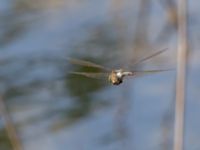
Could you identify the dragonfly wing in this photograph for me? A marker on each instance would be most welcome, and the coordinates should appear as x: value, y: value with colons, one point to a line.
x: 92, y: 75
x: 86, y: 63
x: 148, y: 57
x: 145, y: 72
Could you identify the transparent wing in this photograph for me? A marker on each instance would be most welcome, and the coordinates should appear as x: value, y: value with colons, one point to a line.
x: 146, y: 72
x: 148, y: 57
x: 86, y: 63
x: 92, y: 75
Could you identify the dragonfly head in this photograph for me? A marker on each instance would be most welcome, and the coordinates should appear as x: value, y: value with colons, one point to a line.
x: 116, y: 77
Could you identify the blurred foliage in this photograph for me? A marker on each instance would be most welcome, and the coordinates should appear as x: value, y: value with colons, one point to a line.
x: 14, y: 92
x: 4, y: 140
x: 12, y: 28
x: 25, y: 6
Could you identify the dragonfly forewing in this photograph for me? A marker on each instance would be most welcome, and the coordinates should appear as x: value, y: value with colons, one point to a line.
x: 87, y: 64
x: 146, y: 72
x: 91, y: 75
x: 146, y: 58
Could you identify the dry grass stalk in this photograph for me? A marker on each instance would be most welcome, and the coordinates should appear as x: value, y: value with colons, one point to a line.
x: 181, y: 75
x: 10, y: 129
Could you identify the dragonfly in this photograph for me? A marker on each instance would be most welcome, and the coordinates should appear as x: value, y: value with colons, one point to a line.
x: 114, y: 76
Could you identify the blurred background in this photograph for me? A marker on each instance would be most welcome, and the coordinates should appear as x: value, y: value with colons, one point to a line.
x: 43, y: 107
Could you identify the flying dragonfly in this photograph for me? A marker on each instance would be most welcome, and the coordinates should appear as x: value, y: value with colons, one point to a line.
x: 114, y: 76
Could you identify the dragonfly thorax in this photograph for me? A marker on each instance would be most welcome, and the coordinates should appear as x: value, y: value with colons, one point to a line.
x: 116, y: 77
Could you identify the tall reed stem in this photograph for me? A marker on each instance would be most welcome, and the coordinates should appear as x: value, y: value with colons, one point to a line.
x: 181, y: 75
